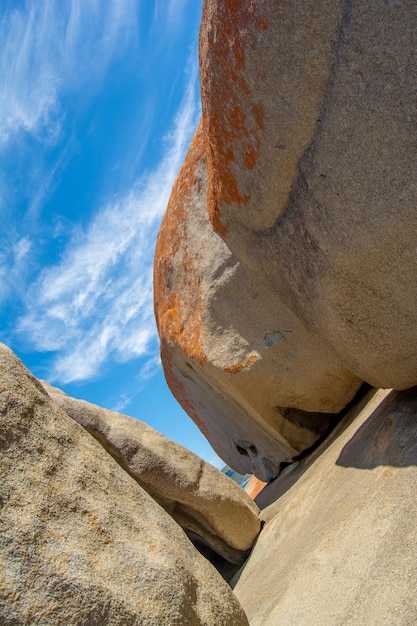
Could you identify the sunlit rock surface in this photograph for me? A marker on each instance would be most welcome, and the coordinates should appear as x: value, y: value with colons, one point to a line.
x: 242, y: 365
x: 310, y: 117
x: 210, y: 507
x: 340, y: 541
x: 80, y: 541
x: 286, y: 264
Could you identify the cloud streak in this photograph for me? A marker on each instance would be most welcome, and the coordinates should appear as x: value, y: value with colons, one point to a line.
x: 96, y: 304
x: 51, y: 48
x: 14, y: 254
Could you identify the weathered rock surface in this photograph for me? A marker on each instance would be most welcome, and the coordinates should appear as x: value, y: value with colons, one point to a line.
x: 304, y: 164
x: 265, y: 70
x: 310, y: 119
x: 339, y: 545
x: 81, y: 542
x: 235, y: 356
x: 209, y: 506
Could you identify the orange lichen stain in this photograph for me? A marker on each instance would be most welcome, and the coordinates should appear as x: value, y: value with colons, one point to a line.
x: 251, y: 157
x: 177, y: 388
x: 234, y: 369
x: 258, y: 111
x: 261, y: 25
x: 179, y: 306
x: 238, y: 119
x: 177, y: 297
x: 231, y: 122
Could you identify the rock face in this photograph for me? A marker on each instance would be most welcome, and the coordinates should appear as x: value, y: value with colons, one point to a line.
x: 265, y: 71
x: 233, y: 353
x: 339, y: 545
x: 285, y: 266
x: 309, y: 112
x: 210, y: 507
x: 81, y: 542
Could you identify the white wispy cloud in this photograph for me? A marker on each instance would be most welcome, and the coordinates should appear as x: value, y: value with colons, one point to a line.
x: 149, y: 369
x: 97, y: 303
x: 50, y: 49
x: 14, y: 255
x: 174, y: 10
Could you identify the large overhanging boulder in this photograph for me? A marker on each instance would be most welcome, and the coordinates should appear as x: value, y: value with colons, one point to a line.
x: 285, y: 266
x: 310, y: 116
x: 238, y: 360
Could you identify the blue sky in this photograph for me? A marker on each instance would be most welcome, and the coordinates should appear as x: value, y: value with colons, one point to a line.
x: 99, y: 100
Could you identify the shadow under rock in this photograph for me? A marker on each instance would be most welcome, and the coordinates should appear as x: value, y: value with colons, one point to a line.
x: 388, y: 437
x: 289, y: 476
x: 225, y: 568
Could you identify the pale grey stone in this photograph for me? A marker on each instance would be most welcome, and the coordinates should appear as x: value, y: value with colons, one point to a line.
x: 304, y: 164
x: 325, y: 211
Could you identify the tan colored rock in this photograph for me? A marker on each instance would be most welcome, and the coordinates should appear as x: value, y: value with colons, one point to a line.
x: 257, y: 383
x: 265, y: 69
x: 340, y: 543
x: 209, y: 506
x: 310, y: 119
x: 81, y: 542
x: 305, y: 284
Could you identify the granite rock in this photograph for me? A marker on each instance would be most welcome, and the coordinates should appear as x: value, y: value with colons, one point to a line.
x: 81, y: 542
x: 310, y: 118
x: 304, y: 165
x: 209, y: 506
x: 260, y: 386
x: 340, y: 542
